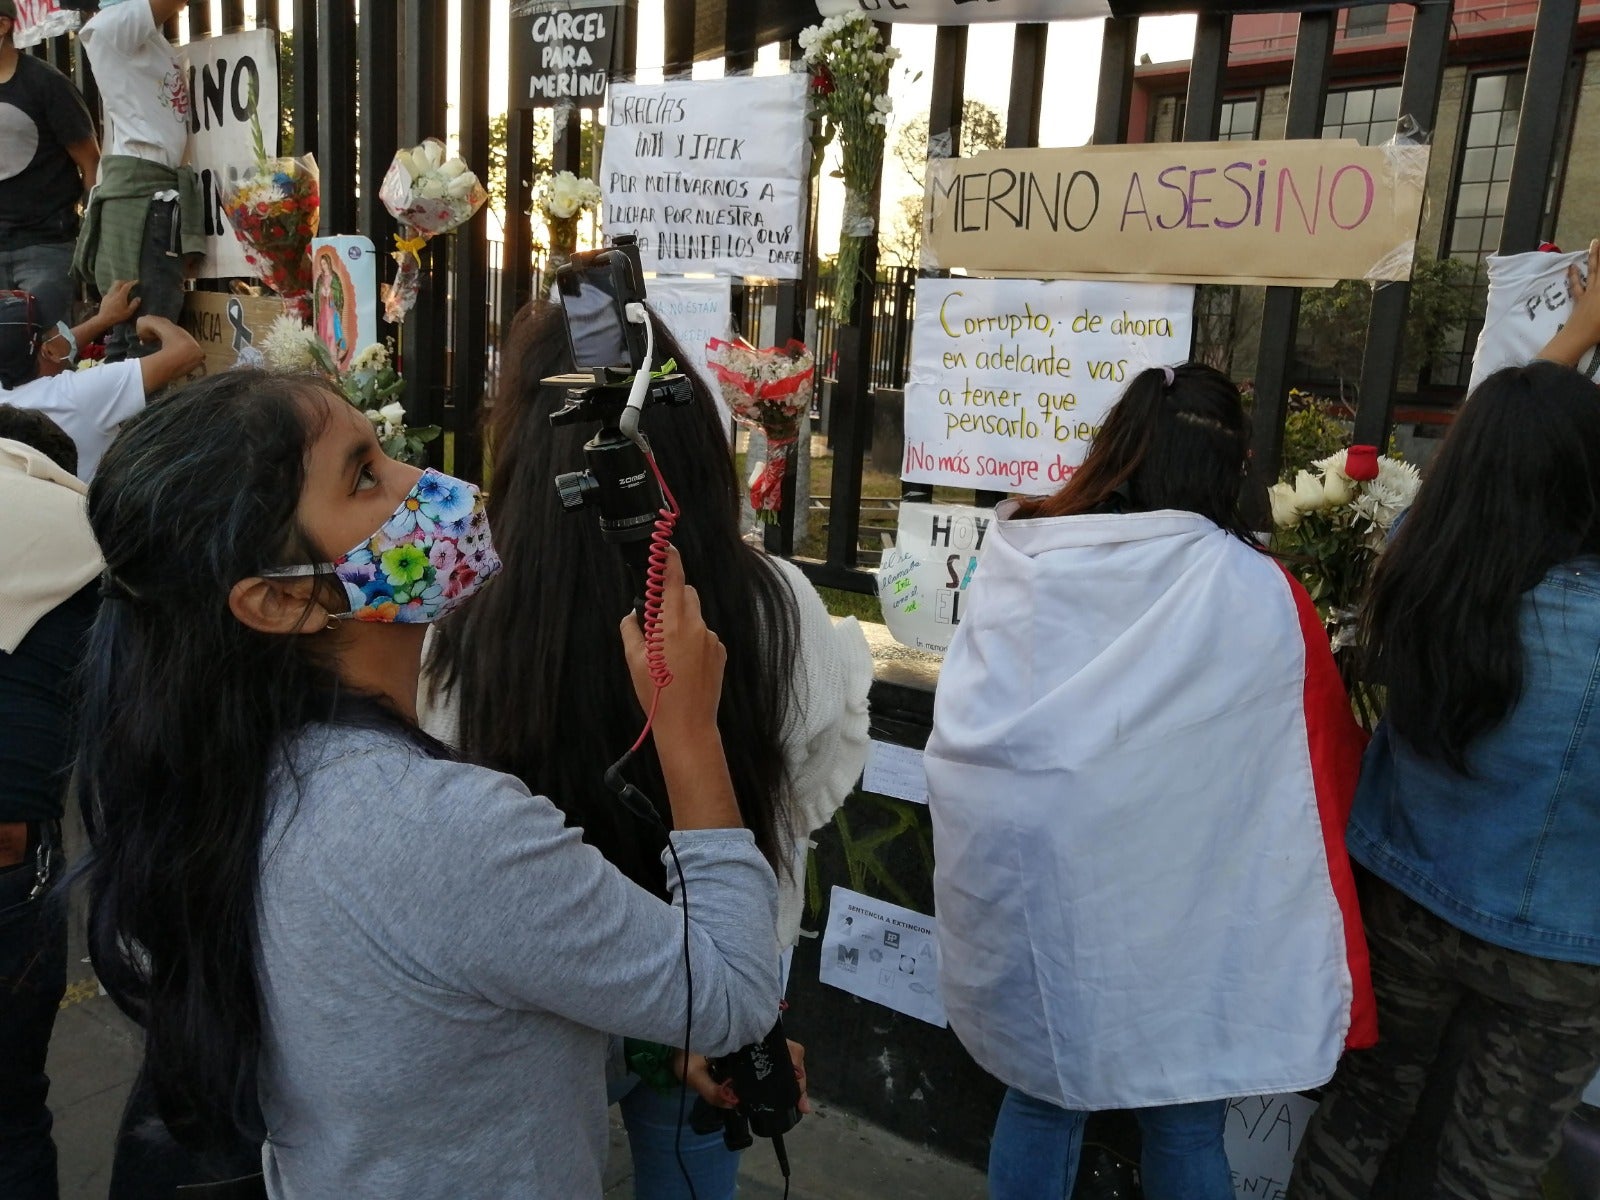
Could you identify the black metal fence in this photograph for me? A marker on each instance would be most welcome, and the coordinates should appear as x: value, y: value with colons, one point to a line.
x: 470, y: 289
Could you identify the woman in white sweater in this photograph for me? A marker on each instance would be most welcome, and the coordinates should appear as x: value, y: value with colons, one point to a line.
x: 521, y: 681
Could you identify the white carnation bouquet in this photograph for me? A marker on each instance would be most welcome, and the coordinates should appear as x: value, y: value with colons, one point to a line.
x: 1331, y: 527
x: 430, y: 192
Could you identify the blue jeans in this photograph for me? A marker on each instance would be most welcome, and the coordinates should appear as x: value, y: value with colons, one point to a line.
x: 46, y: 271
x: 33, y: 977
x: 1034, y: 1155
x: 651, y: 1120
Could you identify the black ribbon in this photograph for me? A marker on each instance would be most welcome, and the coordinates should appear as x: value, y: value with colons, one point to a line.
x: 242, y: 336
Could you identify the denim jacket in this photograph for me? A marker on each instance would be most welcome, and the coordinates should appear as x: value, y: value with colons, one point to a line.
x: 1510, y: 855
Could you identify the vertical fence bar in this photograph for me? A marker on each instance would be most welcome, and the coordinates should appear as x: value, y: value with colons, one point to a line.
x: 266, y: 14
x: 678, y: 38
x: 1208, y: 76
x: 378, y: 41
x: 424, y: 30
x: 305, y: 77
x: 1115, y: 93
x: 1537, y: 127
x: 199, y: 21
x: 232, y: 16
x: 1419, y: 100
x: 850, y: 421
x: 789, y: 320
x: 470, y: 360
x: 1308, y: 99
x: 336, y: 119
x: 516, y: 263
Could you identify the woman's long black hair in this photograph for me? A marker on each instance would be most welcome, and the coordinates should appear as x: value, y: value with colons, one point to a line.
x: 1514, y: 491
x: 535, y: 662
x: 1179, y: 446
x: 183, y: 709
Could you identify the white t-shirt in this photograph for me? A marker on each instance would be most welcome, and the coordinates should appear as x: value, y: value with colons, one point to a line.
x: 144, y: 89
x: 88, y: 405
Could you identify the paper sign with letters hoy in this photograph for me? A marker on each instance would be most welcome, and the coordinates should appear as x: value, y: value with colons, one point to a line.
x: 560, y: 53
x: 224, y: 72
x: 923, y: 579
x: 1011, y: 378
x: 1300, y: 213
x: 711, y: 175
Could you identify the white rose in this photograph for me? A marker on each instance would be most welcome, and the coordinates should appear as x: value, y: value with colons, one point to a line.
x: 1308, y: 493
x: 462, y: 185
x: 432, y: 154
x: 1336, y: 488
x: 394, y: 413
x: 375, y: 416
x: 452, y: 168
x: 407, y: 163
x: 1285, y: 515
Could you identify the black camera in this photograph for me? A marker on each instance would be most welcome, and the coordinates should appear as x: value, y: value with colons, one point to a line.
x: 602, y: 296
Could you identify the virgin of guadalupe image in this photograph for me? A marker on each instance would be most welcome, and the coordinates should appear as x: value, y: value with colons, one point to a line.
x: 329, y: 302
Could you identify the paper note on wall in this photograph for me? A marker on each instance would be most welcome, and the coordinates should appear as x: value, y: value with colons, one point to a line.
x: 695, y: 310
x: 1261, y: 1137
x: 923, y: 578
x: 1011, y: 378
x: 883, y: 953
x: 711, y: 175
x: 896, y: 771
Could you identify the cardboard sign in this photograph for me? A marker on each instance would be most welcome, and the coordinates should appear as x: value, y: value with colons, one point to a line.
x: 1295, y: 213
x: 710, y: 174
x: 1011, y: 378
x: 344, y: 295
x: 222, y: 72
x: 39, y: 20
x: 561, y: 54
x: 229, y: 328
x: 1261, y: 1136
x: 883, y: 953
x: 923, y: 579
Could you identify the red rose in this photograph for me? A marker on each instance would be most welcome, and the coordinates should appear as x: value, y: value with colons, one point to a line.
x: 822, y: 81
x: 1361, y: 463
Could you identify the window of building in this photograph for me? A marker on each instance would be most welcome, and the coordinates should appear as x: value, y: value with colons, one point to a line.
x: 1239, y: 121
x: 1366, y: 20
x: 1366, y: 114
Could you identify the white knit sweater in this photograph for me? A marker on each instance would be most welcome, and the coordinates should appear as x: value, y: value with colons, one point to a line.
x: 824, y: 737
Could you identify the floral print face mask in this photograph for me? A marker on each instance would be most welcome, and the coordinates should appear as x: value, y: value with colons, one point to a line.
x: 425, y: 561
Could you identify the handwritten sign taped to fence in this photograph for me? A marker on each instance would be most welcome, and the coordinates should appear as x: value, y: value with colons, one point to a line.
x: 1261, y: 1135
x: 222, y: 73
x: 695, y: 310
x: 923, y: 578
x: 711, y: 174
x: 1296, y: 213
x: 1011, y: 378
x: 561, y: 55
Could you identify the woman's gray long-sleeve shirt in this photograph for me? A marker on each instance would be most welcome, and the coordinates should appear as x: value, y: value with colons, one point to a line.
x: 441, y: 960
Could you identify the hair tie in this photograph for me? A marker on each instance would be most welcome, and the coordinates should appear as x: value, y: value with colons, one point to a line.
x: 111, y: 588
x: 1171, y: 377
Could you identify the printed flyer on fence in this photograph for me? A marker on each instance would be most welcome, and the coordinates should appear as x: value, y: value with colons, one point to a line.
x: 1010, y: 378
x: 883, y: 953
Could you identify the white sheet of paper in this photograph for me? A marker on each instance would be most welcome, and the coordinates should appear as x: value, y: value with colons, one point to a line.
x: 895, y: 771
x: 1261, y: 1136
x: 883, y: 953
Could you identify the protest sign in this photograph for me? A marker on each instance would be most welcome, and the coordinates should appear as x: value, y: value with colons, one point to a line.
x: 224, y: 74
x: 1261, y: 1136
x: 344, y: 295
x: 229, y: 328
x: 883, y: 953
x: 965, y: 12
x: 923, y: 579
x: 38, y: 20
x: 695, y: 310
x: 1529, y: 301
x: 1010, y: 378
x: 1295, y: 213
x: 710, y: 174
x: 560, y: 55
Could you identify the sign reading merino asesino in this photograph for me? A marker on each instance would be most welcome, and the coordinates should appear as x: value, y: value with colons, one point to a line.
x: 1298, y: 213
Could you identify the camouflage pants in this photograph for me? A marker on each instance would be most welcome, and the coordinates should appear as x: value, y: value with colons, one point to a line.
x: 1534, y: 1044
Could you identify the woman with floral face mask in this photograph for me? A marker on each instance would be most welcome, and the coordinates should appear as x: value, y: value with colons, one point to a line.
x: 391, y: 966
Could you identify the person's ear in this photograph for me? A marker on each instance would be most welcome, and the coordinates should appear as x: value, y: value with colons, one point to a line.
x: 278, y: 606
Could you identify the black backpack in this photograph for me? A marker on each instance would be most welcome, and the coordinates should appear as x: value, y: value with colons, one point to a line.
x: 19, y: 338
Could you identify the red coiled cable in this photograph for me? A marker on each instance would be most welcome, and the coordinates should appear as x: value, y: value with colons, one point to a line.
x: 655, y: 586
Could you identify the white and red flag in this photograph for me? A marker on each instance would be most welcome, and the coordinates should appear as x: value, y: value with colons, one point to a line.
x: 1141, y: 767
